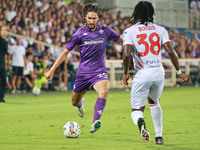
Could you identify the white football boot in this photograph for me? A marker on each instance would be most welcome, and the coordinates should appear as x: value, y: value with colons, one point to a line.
x: 81, y: 110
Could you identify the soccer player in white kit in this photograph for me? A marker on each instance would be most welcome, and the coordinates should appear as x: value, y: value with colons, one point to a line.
x: 143, y: 41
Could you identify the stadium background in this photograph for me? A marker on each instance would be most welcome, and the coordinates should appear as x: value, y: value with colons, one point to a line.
x: 45, y: 26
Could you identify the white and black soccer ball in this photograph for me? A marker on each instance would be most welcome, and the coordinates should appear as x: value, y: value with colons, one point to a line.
x: 36, y: 91
x: 71, y: 129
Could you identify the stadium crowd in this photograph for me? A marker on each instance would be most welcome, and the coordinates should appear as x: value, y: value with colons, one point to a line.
x: 54, y: 22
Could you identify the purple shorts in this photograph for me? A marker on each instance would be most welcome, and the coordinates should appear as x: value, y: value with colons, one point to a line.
x: 86, y: 81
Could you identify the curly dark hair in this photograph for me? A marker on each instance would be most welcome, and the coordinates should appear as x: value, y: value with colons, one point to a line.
x: 144, y: 11
x: 92, y: 8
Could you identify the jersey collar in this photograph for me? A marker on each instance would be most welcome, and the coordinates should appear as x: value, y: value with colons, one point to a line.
x: 88, y: 29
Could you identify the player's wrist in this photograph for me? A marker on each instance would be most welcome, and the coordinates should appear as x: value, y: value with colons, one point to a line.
x: 179, y: 71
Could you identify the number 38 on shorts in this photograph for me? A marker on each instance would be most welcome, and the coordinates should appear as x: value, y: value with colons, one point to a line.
x: 153, y: 39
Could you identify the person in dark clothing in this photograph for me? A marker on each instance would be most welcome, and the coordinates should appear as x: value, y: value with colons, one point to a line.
x: 3, y: 52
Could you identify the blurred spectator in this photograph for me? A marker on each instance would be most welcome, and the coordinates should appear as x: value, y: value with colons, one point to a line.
x: 17, y: 53
x: 37, y: 51
x: 10, y: 13
x: 55, y: 21
x: 194, y: 14
x: 28, y: 74
x: 195, y: 4
x: 112, y: 53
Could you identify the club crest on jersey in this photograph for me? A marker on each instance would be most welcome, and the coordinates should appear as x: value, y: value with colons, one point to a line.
x: 85, y: 34
x: 101, y: 31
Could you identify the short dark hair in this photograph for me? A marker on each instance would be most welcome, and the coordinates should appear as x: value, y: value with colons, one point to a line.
x: 144, y: 11
x: 92, y: 8
x: 29, y: 54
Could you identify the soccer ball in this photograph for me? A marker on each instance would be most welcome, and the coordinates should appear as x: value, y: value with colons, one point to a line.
x: 71, y: 129
x: 36, y: 91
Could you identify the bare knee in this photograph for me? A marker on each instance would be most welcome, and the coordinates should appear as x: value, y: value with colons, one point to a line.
x: 74, y: 102
x: 141, y: 109
x: 103, y: 93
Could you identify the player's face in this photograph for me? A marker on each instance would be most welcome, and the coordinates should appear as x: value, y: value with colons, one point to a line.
x: 3, y: 31
x: 91, y: 20
x: 18, y: 40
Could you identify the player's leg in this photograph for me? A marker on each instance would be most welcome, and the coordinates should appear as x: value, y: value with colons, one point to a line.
x: 28, y: 82
x: 13, y: 80
x: 156, y: 110
x: 102, y: 88
x: 76, y: 101
x: 2, y: 83
x: 139, y: 94
x: 19, y: 78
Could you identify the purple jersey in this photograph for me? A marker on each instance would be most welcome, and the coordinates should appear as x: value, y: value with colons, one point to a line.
x: 92, y: 46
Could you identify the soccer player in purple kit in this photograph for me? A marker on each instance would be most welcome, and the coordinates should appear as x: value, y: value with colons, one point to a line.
x: 92, y: 72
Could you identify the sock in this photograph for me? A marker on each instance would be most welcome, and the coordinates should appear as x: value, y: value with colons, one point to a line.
x: 98, y: 109
x: 156, y: 113
x: 79, y: 105
x: 135, y: 115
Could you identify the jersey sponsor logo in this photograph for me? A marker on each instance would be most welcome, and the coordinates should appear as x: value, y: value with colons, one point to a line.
x: 144, y: 28
x: 85, y: 34
x: 101, y: 31
x: 155, y: 63
x: 96, y: 41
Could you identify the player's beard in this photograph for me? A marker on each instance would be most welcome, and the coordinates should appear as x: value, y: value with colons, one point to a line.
x: 91, y: 26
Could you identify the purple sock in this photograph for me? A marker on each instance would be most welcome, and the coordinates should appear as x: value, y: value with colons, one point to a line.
x: 79, y: 105
x: 98, y: 109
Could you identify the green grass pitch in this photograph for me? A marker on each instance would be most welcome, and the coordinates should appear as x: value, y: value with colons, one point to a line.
x: 35, y: 123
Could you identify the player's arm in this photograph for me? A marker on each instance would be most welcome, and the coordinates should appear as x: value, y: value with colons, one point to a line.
x: 173, y: 56
x: 126, y: 62
x: 60, y: 59
x: 8, y: 62
x: 25, y: 63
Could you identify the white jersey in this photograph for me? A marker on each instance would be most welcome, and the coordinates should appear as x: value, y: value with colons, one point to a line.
x: 18, y: 53
x: 146, y: 42
x: 28, y: 69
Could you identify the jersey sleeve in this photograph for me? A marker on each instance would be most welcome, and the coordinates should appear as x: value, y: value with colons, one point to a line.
x: 113, y: 36
x: 165, y: 36
x: 127, y: 38
x: 24, y: 51
x: 10, y: 50
x: 31, y: 67
x: 73, y: 41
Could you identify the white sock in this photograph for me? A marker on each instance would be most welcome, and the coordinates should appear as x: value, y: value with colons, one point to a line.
x: 156, y: 113
x: 135, y: 115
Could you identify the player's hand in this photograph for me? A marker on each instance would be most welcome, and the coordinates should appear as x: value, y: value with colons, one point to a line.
x: 184, y: 77
x: 125, y: 79
x: 48, y: 75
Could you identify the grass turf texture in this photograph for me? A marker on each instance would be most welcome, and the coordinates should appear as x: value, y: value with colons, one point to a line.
x: 35, y: 123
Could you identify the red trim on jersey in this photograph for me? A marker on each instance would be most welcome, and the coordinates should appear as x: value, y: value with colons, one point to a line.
x: 150, y: 105
x: 165, y: 42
